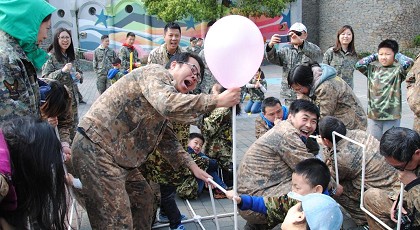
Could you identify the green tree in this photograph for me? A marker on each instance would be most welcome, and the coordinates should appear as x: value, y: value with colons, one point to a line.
x: 206, y: 10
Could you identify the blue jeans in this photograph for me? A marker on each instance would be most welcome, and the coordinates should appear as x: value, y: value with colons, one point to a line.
x: 212, y: 171
x: 253, y: 107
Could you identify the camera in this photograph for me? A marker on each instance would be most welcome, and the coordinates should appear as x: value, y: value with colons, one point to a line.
x: 405, y: 220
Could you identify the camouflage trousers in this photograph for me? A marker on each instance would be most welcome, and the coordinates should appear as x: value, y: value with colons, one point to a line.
x: 350, y: 200
x: 115, y: 197
x: 102, y: 83
x: 287, y: 93
x: 378, y: 203
x: 74, y: 109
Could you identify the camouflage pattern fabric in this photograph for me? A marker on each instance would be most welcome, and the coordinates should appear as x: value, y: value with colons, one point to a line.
x: 413, y: 92
x: 160, y: 55
x: 208, y: 80
x: 102, y: 63
x: 257, y: 94
x: 288, y: 57
x: 384, y: 86
x: 122, y: 133
x: 19, y: 91
x: 52, y: 69
x: 217, y: 131
x: 378, y: 173
x: 124, y: 56
x: 334, y: 97
x: 261, y: 127
x: 343, y: 62
x: 376, y: 202
x: 195, y: 50
x: 277, y: 208
x: 266, y: 168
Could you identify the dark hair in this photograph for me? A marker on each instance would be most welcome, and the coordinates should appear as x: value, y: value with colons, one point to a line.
x: 269, y: 102
x: 399, y: 143
x: 199, y: 39
x: 130, y: 34
x: 389, y: 43
x: 103, y: 37
x: 210, y: 23
x: 196, y: 135
x: 171, y: 25
x: 116, y: 61
x: 302, y: 75
x: 262, y: 76
x: 57, y: 101
x: 303, y: 105
x: 328, y: 124
x: 57, y: 49
x: 193, y: 39
x: 183, y: 57
x: 315, y: 171
x: 337, y: 46
x: 38, y: 173
x: 48, y: 17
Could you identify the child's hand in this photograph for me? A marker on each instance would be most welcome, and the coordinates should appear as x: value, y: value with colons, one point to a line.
x: 231, y: 195
x: 257, y: 84
x: 69, y: 179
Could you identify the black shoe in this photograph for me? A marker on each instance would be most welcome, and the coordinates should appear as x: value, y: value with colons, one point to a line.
x: 82, y: 102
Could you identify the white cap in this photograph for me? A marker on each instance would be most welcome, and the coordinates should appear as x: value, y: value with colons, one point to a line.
x: 299, y: 27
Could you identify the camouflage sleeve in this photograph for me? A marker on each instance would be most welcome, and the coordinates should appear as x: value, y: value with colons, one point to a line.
x: 136, y: 56
x: 152, y: 58
x: 326, y: 99
x: 95, y: 61
x: 175, y: 106
x: 413, y: 88
x: 260, y: 127
x: 274, y: 56
x: 311, y: 50
x: 49, y: 70
x: 328, y: 55
x: 293, y: 149
x: 125, y: 58
x: 213, y: 122
x: 404, y: 61
x: 362, y: 64
x: 277, y: 208
x: 413, y: 199
x: 65, y: 125
x: 172, y: 150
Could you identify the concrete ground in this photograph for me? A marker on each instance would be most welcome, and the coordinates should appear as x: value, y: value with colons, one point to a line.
x: 245, y: 137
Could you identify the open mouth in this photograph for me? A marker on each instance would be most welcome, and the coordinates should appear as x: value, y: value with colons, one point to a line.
x: 188, y: 83
x: 304, y: 132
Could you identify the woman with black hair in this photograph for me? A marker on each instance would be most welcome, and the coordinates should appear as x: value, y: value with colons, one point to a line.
x: 333, y: 96
x: 32, y: 188
x: 63, y: 67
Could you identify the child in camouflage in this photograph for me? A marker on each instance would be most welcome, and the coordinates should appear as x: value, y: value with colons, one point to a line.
x: 385, y: 71
x: 195, y: 142
x: 117, y: 72
x: 310, y: 176
x: 256, y: 88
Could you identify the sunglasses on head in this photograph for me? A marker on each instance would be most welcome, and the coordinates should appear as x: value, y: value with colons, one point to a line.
x: 298, y: 33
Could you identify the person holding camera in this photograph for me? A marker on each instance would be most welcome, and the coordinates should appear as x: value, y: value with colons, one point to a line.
x: 300, y: 51
x: 401, y: 149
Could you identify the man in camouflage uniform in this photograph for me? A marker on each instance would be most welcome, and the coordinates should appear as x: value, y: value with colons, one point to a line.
x: 126, y: 49
x: 193, y: 48
x: 266, y: 168
x: 124, y: 126
x: 413, y: 92
x: 102, y: 63
x: 162, y: 54
x: 401, y: 149
x: 300, y: 51
x: 20, y: 56
x: 271, y: 110
x: 378, y: 173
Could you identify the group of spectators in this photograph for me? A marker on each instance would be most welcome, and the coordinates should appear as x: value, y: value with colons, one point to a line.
x: 133, y: 150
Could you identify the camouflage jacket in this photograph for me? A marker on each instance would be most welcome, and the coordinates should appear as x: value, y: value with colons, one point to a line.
x: 130, y: 119
x: 343, y: 62
x: 124, y: 55
x: 266, y: 168
x: 254, y: 93
x: 413, y: 92
x: 384, y: 86
x: 195, y: 50
x: 102, y: 60
x: 334, y: 97
x: 19, y: 91
x: 261, y: 126
x: 277, y: 208
x: 413, y: 199
x: 217, y: 131
x: 289, y: 57
x: 208, y: 80
x: 160, y: 55
x: 378, y: 174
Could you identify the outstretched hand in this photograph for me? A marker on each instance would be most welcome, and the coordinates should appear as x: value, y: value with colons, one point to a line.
x: 229, y: 98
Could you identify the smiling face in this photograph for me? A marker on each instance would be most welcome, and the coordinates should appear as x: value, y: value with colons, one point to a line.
x: 196, y: 144
x: 64, y: 40
x: 301, y: 185
x: 345, y: 37
x: 172, y: 38
x: 43, y: 31
x: 305, y: 122
x: 184, y: 75
x: 386, y: 56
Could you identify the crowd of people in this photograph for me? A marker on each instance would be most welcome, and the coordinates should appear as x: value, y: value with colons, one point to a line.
x: 133, y: 152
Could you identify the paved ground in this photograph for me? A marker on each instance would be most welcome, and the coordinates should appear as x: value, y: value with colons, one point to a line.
x: 245, y: 137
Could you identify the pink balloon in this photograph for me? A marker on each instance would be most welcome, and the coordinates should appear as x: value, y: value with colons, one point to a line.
x: 234, y: 49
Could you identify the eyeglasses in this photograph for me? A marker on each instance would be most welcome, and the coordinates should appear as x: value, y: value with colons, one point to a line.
x: 64, y: 38
x: 194, y: 70
x: 399, y: 168
x: 298, y: 33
